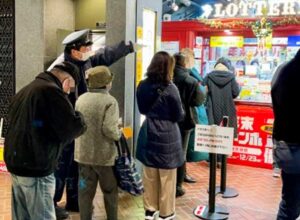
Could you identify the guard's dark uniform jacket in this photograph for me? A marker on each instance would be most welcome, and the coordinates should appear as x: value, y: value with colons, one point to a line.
x: 106, y: 57
x: 41, y: 122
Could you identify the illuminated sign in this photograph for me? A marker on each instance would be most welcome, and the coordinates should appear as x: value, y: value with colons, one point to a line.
x: 251, y: 9
x: 226, y: 41
x: 294, y: 41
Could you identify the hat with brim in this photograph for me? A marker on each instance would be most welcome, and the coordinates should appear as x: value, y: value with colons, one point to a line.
x: 78, y: 38
x: 99, y: 77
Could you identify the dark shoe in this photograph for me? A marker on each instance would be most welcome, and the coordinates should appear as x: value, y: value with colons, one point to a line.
x: 179, y: 191
x: 169, y: 217
x: 219, y: 164
x: 189, y: 179
x: 72, y: 208
x: 61, y: 213
x: 150, y: 215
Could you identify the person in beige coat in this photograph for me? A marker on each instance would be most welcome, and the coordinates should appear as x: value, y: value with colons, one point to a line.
x: 95, y: 151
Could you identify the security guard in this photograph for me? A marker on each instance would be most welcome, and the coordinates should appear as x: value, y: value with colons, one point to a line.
x: 78, y: 51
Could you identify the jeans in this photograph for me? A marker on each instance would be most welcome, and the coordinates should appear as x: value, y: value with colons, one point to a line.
x: 287, y: 157
x: 32, y: 198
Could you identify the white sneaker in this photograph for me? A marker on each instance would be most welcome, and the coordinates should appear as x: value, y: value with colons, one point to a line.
x: 170, y: 217
x: 151, y: 215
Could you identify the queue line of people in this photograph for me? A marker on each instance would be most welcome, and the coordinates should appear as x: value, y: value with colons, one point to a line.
x: 39, y: 146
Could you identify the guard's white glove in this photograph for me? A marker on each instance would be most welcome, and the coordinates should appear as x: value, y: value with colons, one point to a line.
x: 136, y: 46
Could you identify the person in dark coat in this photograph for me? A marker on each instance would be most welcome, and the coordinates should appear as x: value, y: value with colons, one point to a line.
x: 159, y: 142
x: 222, y: 89
x: 41, y: 122
x: 191, y: 96
x: 192, y: 155
x: 78, y: 51
x: 285, y: 91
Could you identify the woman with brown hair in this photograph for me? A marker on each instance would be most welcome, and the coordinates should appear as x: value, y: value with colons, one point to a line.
x: 159, y: 142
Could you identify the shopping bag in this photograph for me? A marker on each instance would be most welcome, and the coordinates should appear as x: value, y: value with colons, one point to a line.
x: 126, y: 173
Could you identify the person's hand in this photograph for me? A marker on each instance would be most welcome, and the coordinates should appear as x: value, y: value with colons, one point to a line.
x: 136, y: 46
x: 120, y: 123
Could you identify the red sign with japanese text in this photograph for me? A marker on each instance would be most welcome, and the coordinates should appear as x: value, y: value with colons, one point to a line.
x: 253, y: 147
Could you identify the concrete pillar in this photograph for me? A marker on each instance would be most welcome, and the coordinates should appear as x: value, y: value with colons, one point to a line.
x: 29, y: 15
x: 120, y: 21
x: 37, y: 22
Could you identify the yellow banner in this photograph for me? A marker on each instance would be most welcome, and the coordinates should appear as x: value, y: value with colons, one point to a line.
x: 218, y: 41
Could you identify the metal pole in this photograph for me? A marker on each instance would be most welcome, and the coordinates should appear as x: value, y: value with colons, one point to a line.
x: 225, y: 122
x: 212, y: 182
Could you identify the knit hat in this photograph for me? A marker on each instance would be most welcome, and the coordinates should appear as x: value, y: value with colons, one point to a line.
x: 98, y: 77
x: 226, y: 62
x: 70, y: 68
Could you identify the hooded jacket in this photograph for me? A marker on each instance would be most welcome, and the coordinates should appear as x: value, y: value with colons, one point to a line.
x: 159, y: 142
x: 222, y: 89
x: 285, y: 91
x: 41, y: 122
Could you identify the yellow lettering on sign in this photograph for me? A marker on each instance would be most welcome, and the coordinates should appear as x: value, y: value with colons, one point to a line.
x: 139, y: 56
x: 139, y: 72
x: 227, y: 41
x: 139, y: 32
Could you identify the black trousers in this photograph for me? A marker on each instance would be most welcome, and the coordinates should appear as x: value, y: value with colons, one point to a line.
x: 181, y: 171
x: 66, y: 174
x: 90, y: 177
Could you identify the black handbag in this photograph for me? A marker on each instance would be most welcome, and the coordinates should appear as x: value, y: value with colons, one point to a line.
x: 126, y: 173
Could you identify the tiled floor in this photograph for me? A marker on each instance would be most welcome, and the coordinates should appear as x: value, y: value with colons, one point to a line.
x: 259, y: 195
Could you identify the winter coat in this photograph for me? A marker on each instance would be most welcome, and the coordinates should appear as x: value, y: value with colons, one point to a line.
x: 41, y: 122
x: 222, y: 89
x: 106, y: 56
x: 101, y: 112
x: 159, y: 143
x: 192, y: 155
x: 285, y: 91
x: 201, y: 110
x: 190, y: 94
